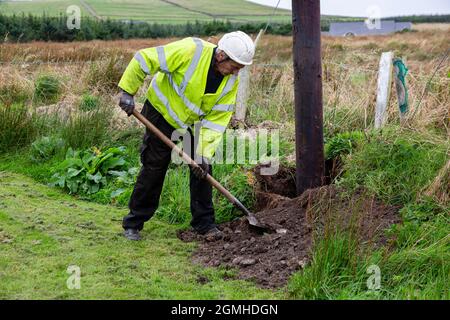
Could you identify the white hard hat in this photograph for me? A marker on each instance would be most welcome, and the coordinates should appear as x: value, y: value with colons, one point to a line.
x: 238, y: 46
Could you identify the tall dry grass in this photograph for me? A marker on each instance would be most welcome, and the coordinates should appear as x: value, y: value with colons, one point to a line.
x: 349, y: 75
x: 41, y: 51
x: 350, y: 70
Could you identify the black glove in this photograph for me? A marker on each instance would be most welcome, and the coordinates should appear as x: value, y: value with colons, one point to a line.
x: 126, y: 102
x: 202, y: 170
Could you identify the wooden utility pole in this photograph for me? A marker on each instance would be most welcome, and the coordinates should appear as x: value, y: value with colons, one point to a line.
x: 308, y: 94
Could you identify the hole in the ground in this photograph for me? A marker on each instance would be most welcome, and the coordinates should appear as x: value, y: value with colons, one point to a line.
x: 281, y: 183
x: 273, y: 189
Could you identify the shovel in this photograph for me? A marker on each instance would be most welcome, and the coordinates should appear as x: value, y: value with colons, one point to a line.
x: 253, y: 222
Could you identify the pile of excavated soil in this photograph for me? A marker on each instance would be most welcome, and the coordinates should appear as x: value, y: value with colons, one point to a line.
x: 269, y: 259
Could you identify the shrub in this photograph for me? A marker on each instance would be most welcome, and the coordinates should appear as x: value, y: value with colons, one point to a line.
x: 420, y: 211
x: 89, y: 102
x: 342, y: 144
x: 395, y: 166
x: 18, y: 28
x: 11, y: 93
x: 85, y: 172
x: 337, y: 263
x: 17, y: 127
x: 87, y: 129
x: 417, y: 269
x: 45, y: 148
x: 47, y: 89
x: 105, y: 74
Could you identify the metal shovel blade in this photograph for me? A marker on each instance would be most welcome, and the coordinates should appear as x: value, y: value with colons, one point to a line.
x: 251, y: 218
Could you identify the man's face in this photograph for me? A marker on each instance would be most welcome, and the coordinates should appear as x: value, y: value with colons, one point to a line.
x: 225, y: 66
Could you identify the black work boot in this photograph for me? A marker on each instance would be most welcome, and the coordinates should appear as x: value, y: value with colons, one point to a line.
x: 213, y: 234
x: 132, y: 234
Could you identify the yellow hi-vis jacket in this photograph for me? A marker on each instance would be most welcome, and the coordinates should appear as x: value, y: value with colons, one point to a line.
x: 177, y: 89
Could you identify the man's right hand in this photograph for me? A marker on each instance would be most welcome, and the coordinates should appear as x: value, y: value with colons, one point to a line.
x: 202, y: 168
x: 126, y: 102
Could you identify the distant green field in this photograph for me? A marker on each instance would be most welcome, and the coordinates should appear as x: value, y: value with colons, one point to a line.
x: 161, y: 11
x: 39, y: 7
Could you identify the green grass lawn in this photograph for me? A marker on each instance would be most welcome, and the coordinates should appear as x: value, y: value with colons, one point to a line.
x: 44, y: 231
x: 172, y: 12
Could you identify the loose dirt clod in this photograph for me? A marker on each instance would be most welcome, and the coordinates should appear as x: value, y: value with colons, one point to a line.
x: 270, y: 258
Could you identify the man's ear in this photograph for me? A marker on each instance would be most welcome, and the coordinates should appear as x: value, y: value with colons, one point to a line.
x: 221, y: 56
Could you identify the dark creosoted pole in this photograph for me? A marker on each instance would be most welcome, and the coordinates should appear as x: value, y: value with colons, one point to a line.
x: 308, y: 94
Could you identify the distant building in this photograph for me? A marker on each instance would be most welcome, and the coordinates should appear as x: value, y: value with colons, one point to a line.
x: 362, y: 29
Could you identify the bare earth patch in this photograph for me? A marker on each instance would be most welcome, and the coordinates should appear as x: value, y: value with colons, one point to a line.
x: 270, y: 259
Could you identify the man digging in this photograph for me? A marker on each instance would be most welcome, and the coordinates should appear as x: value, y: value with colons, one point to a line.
x: 194, y: 82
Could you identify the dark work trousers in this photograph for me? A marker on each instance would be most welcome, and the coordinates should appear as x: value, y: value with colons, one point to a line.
x: 155, y: 158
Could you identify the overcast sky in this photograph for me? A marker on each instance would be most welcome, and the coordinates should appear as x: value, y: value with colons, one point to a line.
x: 362, y: 8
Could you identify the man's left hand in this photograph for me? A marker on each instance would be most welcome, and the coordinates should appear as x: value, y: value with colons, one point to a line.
x: 126, y: 102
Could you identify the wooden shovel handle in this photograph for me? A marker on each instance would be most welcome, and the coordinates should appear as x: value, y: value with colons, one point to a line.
x: 185, y: 157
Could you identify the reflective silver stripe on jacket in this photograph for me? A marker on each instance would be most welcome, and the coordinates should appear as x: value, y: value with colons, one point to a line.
x: 223, y: 107
x: 138, y: 56
x: 194, y: 63
x: 228, y: 86
x: 187, y: 76
x: 162, y: 59
x: 211, y: 125
x: 186, y: 101
x: 166, y: 103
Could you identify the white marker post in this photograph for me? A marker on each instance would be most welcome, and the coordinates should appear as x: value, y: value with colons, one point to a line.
x: 384, y: 88
x: 244, y: 83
